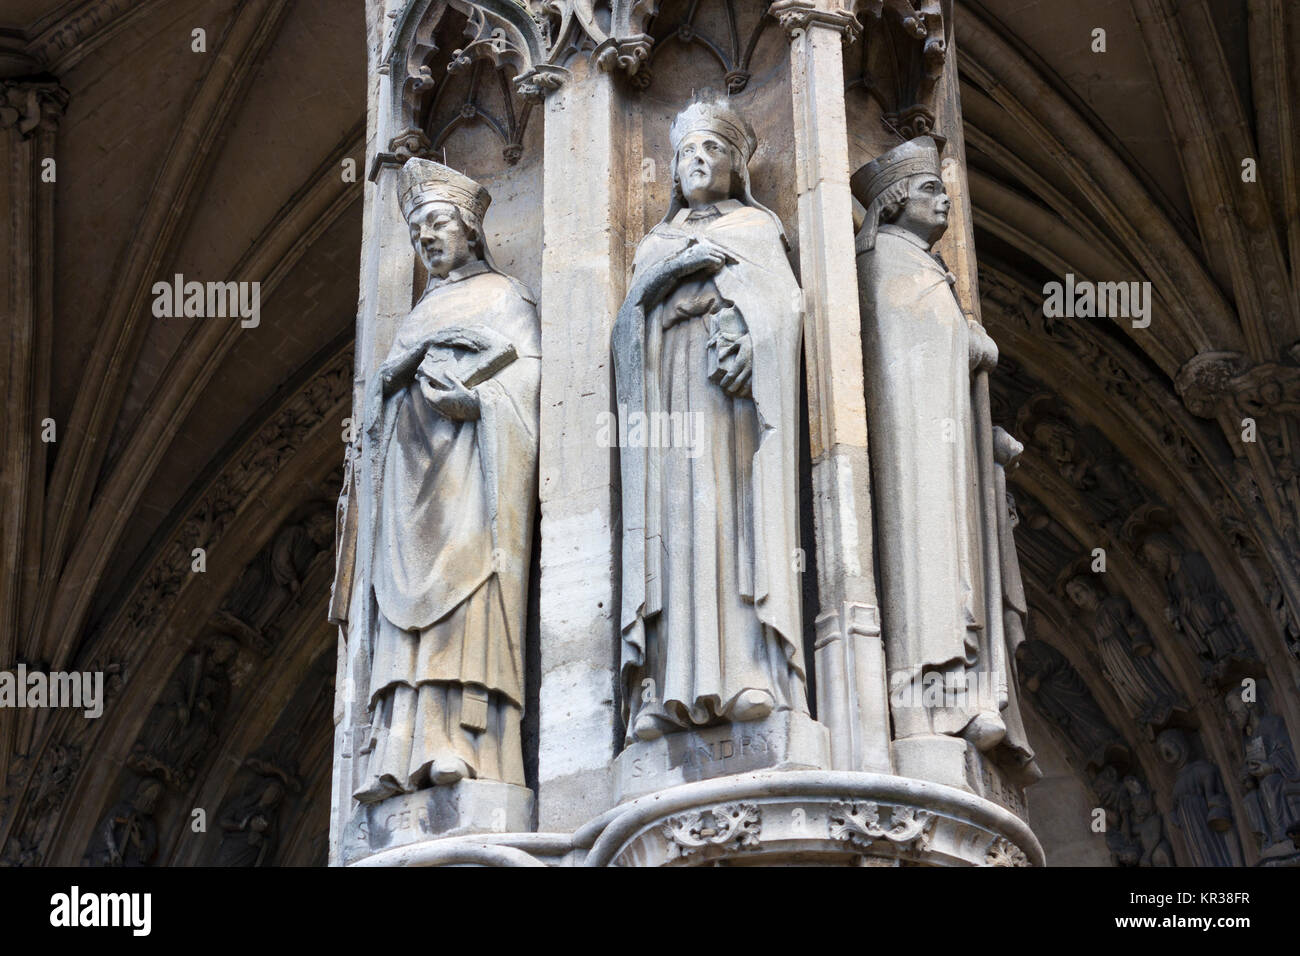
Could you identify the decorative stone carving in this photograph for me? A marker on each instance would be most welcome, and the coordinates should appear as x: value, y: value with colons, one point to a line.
x: 451, y: 438
x: 271, y: 583
x: 1014, y: 752
x: 186, y: 719
x: 732, y: 52
x: 735, y: 826
x: 248, y: 826
x: 128, y: 835
x: 859, y: 825
x: 1134, y: 829
x: 1201, y: 809
x: 254, y: 464
x: 1127, y: 653
x: 1148, y: 825
x: 1269, y: 776
x: 31, y: 105
x: 1198, y: 608
x: 49, y: 788
x: 924, y: 455
x: 1062, y: 697
x: 1002, y: 852
x: 904, y: 47
x: 802, y: 14
x: 708, y: 336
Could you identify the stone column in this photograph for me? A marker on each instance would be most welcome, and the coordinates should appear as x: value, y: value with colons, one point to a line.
x: 387, y: 281
x: 583, y: 277
x: 29, y: 115
x: 851, y: 686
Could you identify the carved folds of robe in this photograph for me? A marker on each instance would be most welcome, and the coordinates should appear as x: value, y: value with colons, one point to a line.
x: 452, y: 549
x: 916, y: 353
x: 710, y: 600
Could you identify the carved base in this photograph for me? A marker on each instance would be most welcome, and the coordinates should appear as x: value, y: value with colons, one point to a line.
x: 815, y: 818
x: 768, y: 818
x: 783, y: 741
x: 467, y: 807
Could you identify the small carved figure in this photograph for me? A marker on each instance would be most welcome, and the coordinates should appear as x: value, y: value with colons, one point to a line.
x: 1269, y: 775
x: 1201, y: 809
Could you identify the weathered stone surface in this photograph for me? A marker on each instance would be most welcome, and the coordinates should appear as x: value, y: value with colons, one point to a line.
x: 784, y: 741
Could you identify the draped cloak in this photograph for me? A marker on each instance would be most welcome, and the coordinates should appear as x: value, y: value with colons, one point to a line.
x: 761, y: 285
x: 455, y: 498
x: 916, y: 355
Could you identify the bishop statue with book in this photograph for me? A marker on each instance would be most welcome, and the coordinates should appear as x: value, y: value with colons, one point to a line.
x: 451, y: 433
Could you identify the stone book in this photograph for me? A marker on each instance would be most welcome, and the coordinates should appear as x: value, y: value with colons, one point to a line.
x: 471, y: 355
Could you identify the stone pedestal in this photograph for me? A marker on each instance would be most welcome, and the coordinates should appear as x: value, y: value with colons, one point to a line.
x: 468, y: 807
x: 784, y: 741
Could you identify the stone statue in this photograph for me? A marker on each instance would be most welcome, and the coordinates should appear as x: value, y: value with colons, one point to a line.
x: 1014, y: 750
x: 128, y: 836
x: 1198, y: 607
x: 1147, y: 825
x: 185, y: 724
x: 248, y: 828
x: 709, y: 335
x: 1122, y: 639
x: 919, y: 352
x: 1201, y: 809
x: 1063, y: 698
x: 451, y: 431
x: 1269, y: 775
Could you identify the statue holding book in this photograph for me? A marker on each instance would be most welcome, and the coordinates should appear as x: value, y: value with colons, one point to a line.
x: 451, y: 431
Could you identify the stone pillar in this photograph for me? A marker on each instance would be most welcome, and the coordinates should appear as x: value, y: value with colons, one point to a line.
x: 583, y: 276
x: 851, y: 686
x: 387, y: 280
x: 29, y: 115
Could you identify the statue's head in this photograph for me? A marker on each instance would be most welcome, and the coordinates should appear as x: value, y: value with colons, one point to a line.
x: 904, y: 187
x: 1237, y: 708
x: 1083, y: 593
x: 444, y: 211
x: 712, y: 146
x: 1160, y: 551
x: 1173, y: 747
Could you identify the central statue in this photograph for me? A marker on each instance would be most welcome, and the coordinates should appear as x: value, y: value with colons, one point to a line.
x: 708, y: 339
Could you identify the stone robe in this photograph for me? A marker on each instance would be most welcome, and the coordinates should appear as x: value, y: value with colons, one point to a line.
x: 916, y: 353
x: 452, y: 550
x: 710, y: 590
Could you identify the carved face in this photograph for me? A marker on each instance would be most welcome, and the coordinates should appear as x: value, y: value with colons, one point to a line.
x: 442, y: 239
x: 1081, y: 594
x: 704, y: 168
x: 925, y: 213
x: 1172, y: 747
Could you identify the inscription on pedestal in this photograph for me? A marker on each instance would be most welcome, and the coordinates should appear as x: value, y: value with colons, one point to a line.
x: 786, y: 741
x: 470, y: 806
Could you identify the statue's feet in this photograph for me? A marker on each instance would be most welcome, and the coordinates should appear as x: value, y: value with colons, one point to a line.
x: 448, y: 770
x: 985, y: 731
x: 752, y: 705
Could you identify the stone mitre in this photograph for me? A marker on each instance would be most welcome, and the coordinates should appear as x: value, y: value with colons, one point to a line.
x: 715, y: 117
x: 423, y: 181
x: 871, y: 183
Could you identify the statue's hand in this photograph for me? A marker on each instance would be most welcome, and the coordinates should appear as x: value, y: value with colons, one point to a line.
x: 703, y: 256
x: 457, y: 403
x: 739, y: 358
